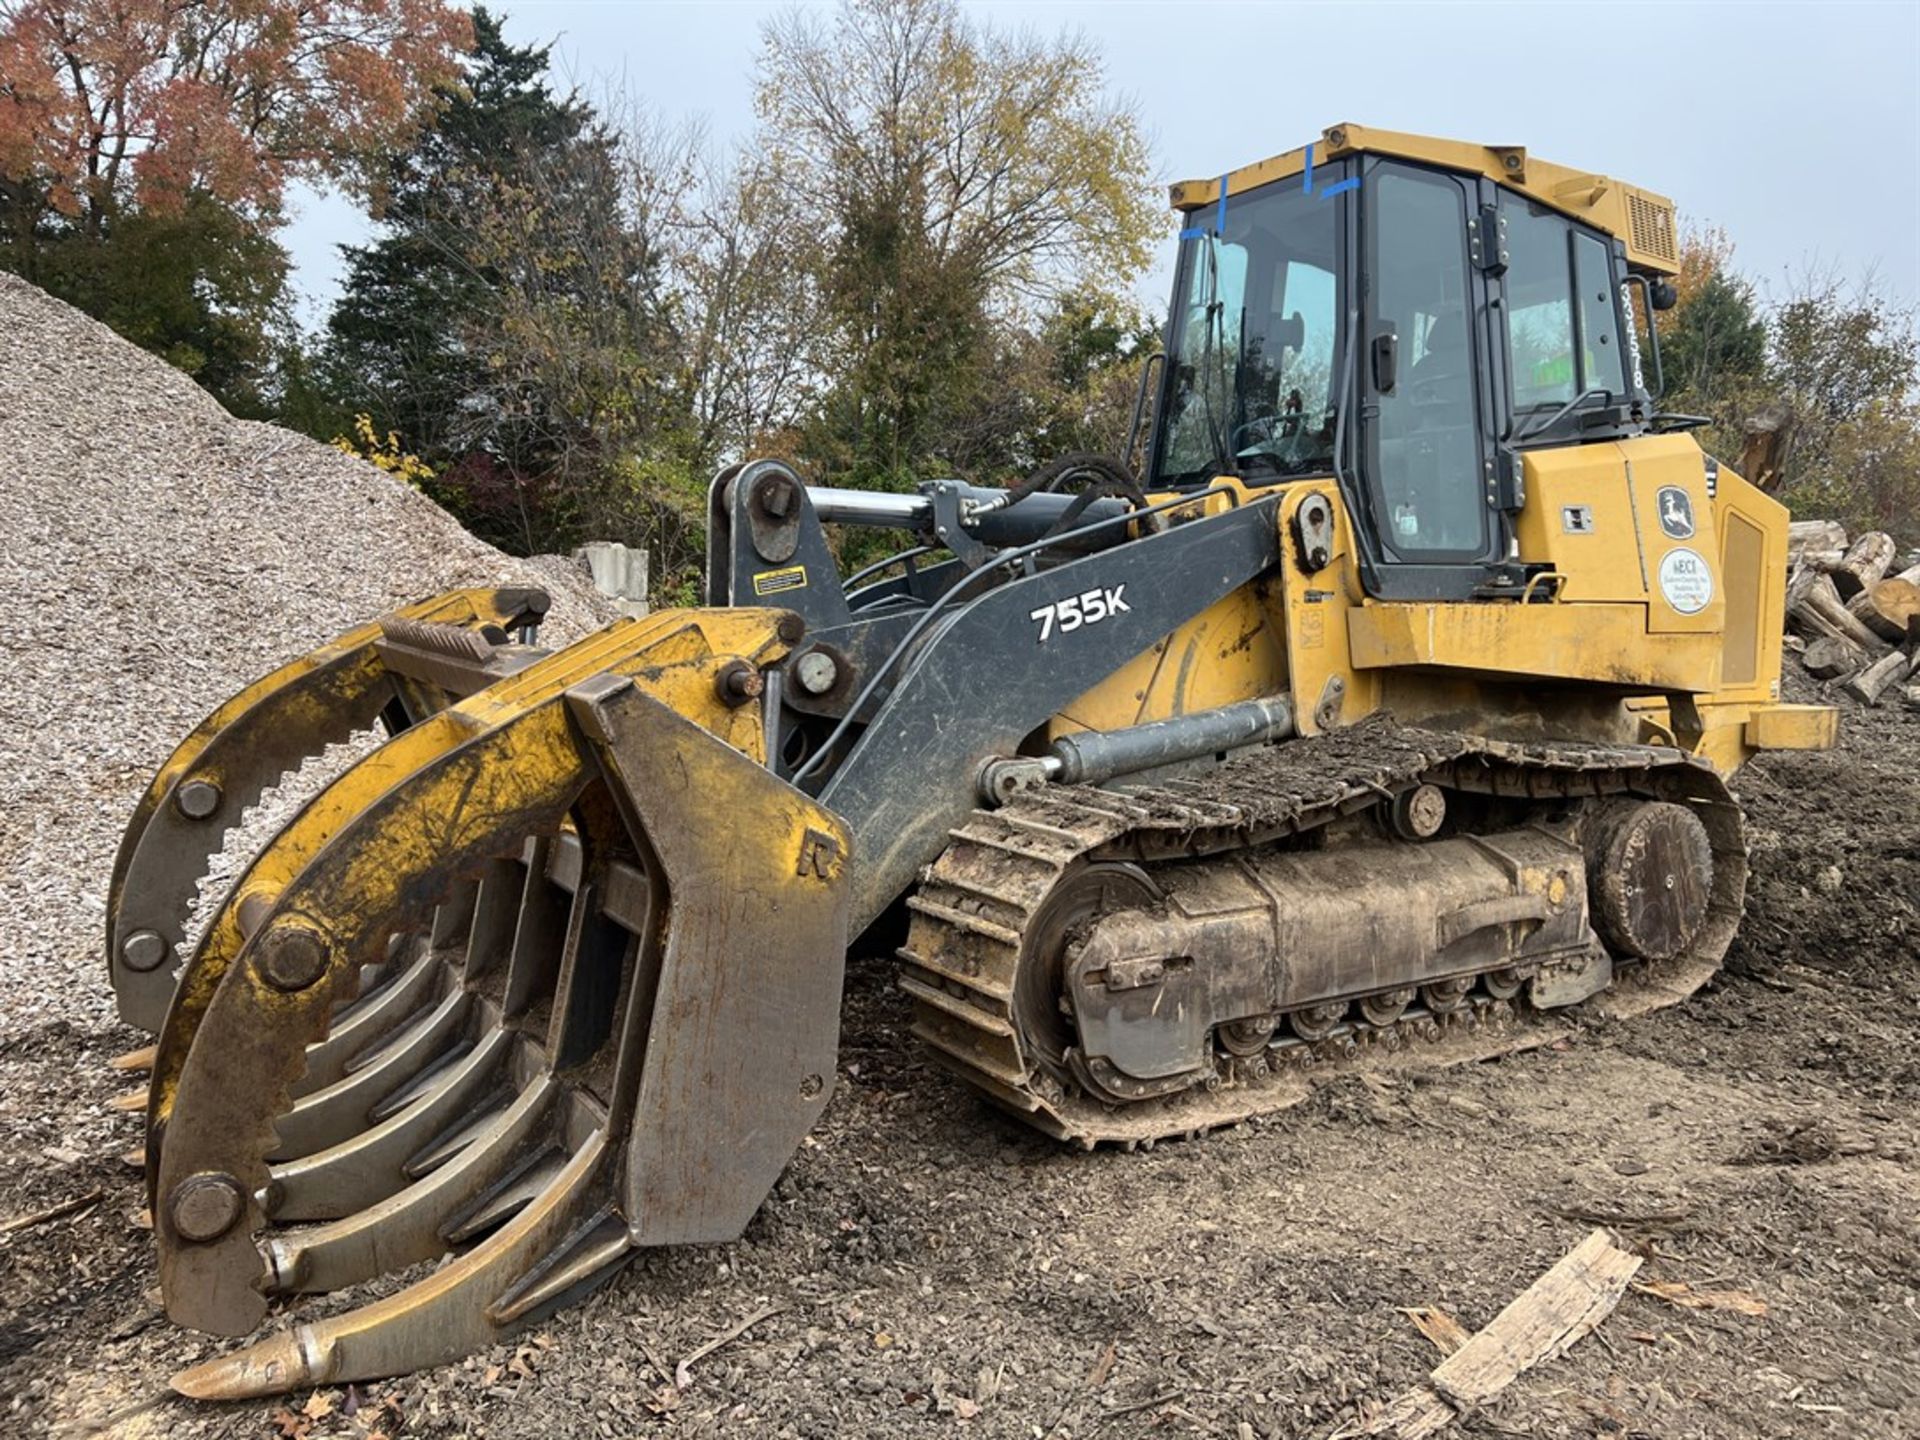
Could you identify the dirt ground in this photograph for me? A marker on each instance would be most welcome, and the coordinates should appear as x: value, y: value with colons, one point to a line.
x: 938, y: 1269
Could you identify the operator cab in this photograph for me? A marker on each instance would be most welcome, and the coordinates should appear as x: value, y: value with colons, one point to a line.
x: 1390, y: 314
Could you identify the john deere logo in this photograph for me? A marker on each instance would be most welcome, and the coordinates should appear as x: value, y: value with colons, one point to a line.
x: 1676, y: 512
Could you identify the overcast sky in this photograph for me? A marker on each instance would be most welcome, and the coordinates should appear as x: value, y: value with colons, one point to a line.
x: 1796, y: 127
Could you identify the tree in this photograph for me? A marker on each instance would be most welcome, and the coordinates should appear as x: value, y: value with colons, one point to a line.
x: 508, y: 323
x: 1713, y: 343
x: 959, y: 179
x: 194, y: 284
x: 107, y: 104
x: 400, y: 334
x: 144, y: 146
x: 1842, y: 363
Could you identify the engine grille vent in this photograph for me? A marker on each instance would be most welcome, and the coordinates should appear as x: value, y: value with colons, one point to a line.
x: 1652, y: 226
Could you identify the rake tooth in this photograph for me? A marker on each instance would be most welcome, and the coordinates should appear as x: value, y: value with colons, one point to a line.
x: 509, y: 1197
x: 129, y: 1101
x: 588, y: 1258
x: 496, y: 916
x: 453, y: 917
x: 325, y: 1118
x: 432, y: 1078
x: 358, y: 1028
x: 411, y: 1225
x: 440, y: 1318
x: 456, y: 1137
x: 371, y: 1166
x: 141, y: 1059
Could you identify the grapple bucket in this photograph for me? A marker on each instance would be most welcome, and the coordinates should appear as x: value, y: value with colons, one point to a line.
x: 552, y: 975
x: 268, y: 729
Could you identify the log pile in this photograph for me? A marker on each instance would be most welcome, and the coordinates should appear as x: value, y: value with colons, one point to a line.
x: 1853, y: 618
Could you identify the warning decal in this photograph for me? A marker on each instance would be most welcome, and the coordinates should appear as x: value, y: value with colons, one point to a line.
x: 772, y: 582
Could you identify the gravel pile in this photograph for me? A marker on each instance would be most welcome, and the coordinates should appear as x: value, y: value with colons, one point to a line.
x: 156, y: 555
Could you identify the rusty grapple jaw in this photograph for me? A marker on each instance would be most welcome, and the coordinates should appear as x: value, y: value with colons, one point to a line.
x: 395, y: 670
x: 604, y: 1015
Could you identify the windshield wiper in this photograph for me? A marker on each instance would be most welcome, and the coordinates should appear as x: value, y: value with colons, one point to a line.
x: 1564, y: 411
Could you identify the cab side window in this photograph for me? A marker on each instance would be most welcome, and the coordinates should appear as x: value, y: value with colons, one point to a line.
x: 1563, y: 328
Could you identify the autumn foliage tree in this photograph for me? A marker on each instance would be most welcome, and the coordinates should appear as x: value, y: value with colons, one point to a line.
x: 184, y: 121
x: 1824, y: 375
x: 962, y: 181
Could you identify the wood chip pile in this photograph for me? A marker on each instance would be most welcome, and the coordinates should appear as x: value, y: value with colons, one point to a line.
x: 1854, y: 612
x: 156, y: 555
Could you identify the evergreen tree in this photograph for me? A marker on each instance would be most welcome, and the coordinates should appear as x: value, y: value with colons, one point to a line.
x: 507, y: 322
x: 1717, y: 341
x: 400, y: 338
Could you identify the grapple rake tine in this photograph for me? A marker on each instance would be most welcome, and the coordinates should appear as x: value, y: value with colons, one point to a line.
x: 327, y: 1117
x: 449, y: 1314
x: 357, y: 1031
x: 369, y: 1167
x: 413, y: 1224
x: 246, y: 745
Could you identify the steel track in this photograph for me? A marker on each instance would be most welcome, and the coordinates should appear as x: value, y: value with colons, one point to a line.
x: 973, y: 913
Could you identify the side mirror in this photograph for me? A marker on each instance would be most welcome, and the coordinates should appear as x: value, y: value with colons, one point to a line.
x: 1663, y: 294
x: 1386, y: 361
x: 1289, y: 334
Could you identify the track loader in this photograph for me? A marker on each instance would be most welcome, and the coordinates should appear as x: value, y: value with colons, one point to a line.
x: 1385, y: 713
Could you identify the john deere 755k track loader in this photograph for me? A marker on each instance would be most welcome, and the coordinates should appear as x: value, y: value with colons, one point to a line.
x: 1388, y: 713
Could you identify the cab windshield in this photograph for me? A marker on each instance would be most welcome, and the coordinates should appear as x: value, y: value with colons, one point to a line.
x: 1250, y: 390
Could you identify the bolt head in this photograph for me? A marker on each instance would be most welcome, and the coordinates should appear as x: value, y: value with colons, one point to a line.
x: 739, y: 682
x: 816, y: 672
x: 197, y: 799
x: 775, y: 495
x: 291, y: 958
x: 143, y: 950
x: 206, y: 1206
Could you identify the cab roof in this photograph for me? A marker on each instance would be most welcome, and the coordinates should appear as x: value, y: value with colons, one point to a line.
x: 1642, y: 219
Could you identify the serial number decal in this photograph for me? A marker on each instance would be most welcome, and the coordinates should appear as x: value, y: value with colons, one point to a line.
x: 1089, y: 607
x: 772, y: 582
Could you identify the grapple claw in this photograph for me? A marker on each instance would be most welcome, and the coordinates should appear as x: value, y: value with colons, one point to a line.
x: 440, y: 1318
x: 616, y: 1027
x: 244, y: 746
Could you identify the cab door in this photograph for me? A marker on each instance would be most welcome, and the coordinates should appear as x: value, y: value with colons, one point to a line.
x: 1426, y: 451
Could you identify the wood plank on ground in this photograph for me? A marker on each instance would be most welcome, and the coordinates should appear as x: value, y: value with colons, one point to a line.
x: 1549, y: 1316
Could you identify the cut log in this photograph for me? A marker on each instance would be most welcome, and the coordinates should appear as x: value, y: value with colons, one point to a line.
x: 1866, y: 561
x: 1872, y: 682
x: 1815, y: 535
x: 1911, y: 575
x: 1832, y: 656
x: 1766, y: 444
x: 1885, y: 606
x: 1566, y: 1303
x: 1820, y: 559
x: 1910, y: 697
x: 1814, y: 605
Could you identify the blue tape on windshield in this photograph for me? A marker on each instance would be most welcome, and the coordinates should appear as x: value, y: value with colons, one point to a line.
x: 1306, y: 176
x: 1219, y: 218
x: 1349, y: 184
